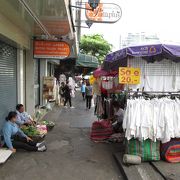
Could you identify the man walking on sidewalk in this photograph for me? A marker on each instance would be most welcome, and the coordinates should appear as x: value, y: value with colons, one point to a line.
x: 83, y: 90
x: 67, y: 94
x: 89, y: 95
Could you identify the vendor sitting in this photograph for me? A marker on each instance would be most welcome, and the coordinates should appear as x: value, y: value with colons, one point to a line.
x: 14, y: 138
x: 118, y: 117
x: 23, y: 118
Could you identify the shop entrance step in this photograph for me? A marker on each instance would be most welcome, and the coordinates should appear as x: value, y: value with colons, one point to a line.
x: 144, y: 171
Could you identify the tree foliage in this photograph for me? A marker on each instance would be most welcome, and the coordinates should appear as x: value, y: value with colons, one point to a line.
x: 95, y: 45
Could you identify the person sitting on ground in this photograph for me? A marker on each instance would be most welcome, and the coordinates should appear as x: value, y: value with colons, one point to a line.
x: 118, y: 117
x: 14, y: 137
x: 23, y: 118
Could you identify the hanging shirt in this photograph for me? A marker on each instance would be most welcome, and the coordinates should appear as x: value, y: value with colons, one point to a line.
x: 10, y: 129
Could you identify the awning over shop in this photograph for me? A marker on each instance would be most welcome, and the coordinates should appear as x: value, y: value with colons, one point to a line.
x: 87, y: 61
x: 150, y: 53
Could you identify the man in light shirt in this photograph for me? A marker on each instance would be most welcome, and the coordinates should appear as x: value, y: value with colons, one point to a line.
x: 23, y: 118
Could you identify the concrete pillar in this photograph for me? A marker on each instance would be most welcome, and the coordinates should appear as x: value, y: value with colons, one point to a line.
x: 20, y: 76
x: 30, y: 92
x: 43, y: 72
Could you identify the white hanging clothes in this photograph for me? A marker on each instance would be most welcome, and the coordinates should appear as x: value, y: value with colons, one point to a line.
x: 156, y: 119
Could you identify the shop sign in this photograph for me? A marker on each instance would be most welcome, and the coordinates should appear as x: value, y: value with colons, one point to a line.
x: 148, y: 50
x: 104, y: 13
x: 51, y: 49
x: 129, y: 75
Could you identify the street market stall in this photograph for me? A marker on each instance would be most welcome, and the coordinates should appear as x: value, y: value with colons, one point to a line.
x: 151, y: 78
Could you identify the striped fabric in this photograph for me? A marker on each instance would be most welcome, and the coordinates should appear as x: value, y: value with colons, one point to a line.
x: 147, y: 150
x: 170, y: 151
x: 101, y: 130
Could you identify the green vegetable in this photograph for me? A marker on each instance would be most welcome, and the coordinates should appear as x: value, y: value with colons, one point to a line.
x: 30, y: 131
x: 48, y: 123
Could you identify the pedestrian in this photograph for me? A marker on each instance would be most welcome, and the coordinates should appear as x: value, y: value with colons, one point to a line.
x: 67, y: 94
x: 61, y: 93
x: 15, y: 138
x: 89, y: 95
x: 83, y: 90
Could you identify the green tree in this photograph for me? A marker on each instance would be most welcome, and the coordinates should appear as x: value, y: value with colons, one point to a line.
x: 95, y: 45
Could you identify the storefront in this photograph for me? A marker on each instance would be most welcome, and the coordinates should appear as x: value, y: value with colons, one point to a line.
x: 21, y: 74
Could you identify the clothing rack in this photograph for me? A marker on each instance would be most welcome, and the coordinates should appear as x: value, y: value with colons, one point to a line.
x: 153, y: 94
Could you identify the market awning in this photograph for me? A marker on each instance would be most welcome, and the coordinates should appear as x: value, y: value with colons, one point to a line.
x: 87, y: 61
x: 151, y: 53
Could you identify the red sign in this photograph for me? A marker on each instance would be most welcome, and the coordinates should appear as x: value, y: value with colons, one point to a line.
x: 51, y: 49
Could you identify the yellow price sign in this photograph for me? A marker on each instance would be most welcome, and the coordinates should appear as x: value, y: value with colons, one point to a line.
x: 129, y: 75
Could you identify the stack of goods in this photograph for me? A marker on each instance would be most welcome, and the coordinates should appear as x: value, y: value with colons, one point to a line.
x: 170, y: 151
x: 152, y: 121
x: 147, y: 149
x: 42, y: 129
x: 50, y: 125
x: 101, y: 130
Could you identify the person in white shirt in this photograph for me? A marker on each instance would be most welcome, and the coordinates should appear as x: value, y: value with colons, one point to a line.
x: 118, y: 116
x: 23, y: 118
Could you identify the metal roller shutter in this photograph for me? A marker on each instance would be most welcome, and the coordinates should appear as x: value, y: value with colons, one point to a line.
x: 8, y: 80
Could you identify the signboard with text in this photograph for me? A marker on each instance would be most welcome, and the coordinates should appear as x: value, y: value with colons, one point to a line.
x: 51, y: 49
x: 129, y: 75
x: 104, y: 13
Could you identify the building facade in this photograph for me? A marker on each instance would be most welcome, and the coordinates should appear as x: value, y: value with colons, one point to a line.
x: 138, y: 39
x: 22, y: 21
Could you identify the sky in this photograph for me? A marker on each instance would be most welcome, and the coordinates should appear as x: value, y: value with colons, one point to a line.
x: 161, y: 17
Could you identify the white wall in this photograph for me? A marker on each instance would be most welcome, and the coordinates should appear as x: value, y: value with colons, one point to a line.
x: 13, y: 32
x: 43, y: 72
x: 30, y: 93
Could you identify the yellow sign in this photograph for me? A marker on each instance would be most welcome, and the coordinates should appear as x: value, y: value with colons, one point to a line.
x: 129, y: 75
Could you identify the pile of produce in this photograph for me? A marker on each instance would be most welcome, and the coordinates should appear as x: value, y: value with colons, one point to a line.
x: 48, y: 123
x: 30, y: 131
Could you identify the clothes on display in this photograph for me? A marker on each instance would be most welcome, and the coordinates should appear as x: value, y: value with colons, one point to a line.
x: 166, y: 71
x: 96, y: 87
x: 99, y: 106
x: 155, y: 119
x: 104, y: 107
x: 107, y: 85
